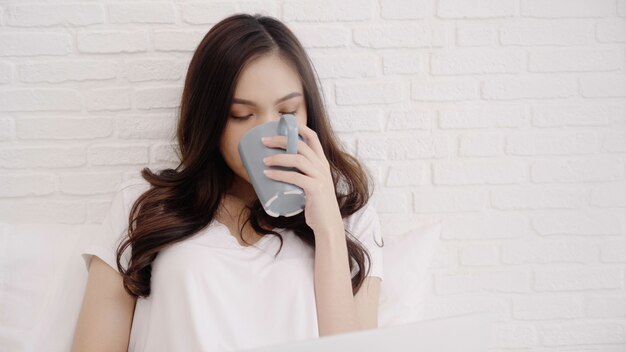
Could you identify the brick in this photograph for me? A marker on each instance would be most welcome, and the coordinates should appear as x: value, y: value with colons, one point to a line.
x: 599, y: 168
x: 606, y: 306
x: 117, y: 154
x: 552, y: 143
x: 479, y: 255
x: 67, y: 70
x: 264, y: 7
x: 145, y: 127
x: 450, y: 200
x: 578, y: 277
x: 476, y: 8
x: 583, y: 333
x: 35, y: 43
x: 107, y: 99
x: 152, y: 12
x: 89, y: 183
x: 485, y: 225
x: 608, y: 195
x: 587, y: 222
x: 543, y: 251
x: 614, y: 142
x: 157, y: 97
x: 397, y: 63
x: 409, y: 120
x: 454, y: 305
x: 206, y: 13
x: 477, y: 61
x: 6, y: 72
x: 529, y: 32
x: 403, y: 147
x: 528, y: 87
x: 40, y: 99
x: 400, y: 36
x: 63, y: 128
x: 575, y: 114
x: 44, y: 157
x: 538, y: 197
x: 112, y: 41
x: 322, y: 36
x: 613, y: 251
x: 414, y: 174
x: 327, y: 10
x: 475, y: 34
x: 481, y: 144
x: 7, y: 128
x: 370, y: 120
x: 177, y: 40
x: 406, y: 9
x: 611, y: 31
x: 141, y: 70
x: 575, y: 59
x: 466, y: 281
x: 567, y: 8
x: 391, y: 201
x: 43, y: 212
x: 603, y: 85
x: 163, y: 153
x: 444, y: 89
x: 26, y: 185
x: 361, y: 93
x: 472, y: 172
x: 508, y: 116
x: 541, y: 307
x: 345, y: 65
x: 33, y: 15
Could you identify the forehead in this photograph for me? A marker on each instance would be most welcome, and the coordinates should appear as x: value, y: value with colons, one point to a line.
x: 266, y: 79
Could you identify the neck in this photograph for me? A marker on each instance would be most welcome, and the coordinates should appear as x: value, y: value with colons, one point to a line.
x: 242, y: 190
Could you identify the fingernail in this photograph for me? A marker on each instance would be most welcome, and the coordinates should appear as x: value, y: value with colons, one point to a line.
x: 265, y: 139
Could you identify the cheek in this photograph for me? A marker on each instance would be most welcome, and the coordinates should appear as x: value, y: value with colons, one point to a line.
x: 229, y: 145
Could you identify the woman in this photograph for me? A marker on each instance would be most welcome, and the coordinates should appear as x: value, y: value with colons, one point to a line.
x: 188, y: 260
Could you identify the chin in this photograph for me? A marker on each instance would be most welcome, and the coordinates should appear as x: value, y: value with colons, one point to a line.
x: 244, y: 176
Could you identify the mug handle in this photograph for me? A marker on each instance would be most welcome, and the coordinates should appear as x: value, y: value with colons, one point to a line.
x: 287, y: 126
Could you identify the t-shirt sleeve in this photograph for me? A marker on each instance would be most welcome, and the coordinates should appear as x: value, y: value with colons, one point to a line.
x: 113, y: 231
x: 364, y: 225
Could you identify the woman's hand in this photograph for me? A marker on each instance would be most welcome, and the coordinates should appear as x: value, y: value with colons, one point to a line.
x: 321, y: 209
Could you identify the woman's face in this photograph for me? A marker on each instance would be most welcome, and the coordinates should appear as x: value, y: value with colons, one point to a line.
x: 267, y: 88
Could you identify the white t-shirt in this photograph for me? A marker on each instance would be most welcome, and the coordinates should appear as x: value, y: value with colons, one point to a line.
x: 209, y: 293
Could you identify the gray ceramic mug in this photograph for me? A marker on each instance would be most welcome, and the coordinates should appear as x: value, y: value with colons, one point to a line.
x: 278, y: 198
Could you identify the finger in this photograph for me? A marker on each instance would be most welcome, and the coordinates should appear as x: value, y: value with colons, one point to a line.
x: 303, y: 148
x: 292, y: 177
x: 298, y: 161
x: 312, y: 139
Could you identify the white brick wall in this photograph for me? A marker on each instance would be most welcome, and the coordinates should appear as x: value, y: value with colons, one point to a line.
x: 506, y: 119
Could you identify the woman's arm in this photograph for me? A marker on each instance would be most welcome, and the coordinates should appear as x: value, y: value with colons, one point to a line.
x: 337, y: 310
x: 106, y: 313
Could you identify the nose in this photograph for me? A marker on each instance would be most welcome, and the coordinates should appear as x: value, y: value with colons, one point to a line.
x: 269, y: 117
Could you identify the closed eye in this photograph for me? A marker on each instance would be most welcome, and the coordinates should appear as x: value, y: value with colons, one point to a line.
x: 247, y: 116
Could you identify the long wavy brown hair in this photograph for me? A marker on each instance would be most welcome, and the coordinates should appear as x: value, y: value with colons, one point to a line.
x: 182, y: 201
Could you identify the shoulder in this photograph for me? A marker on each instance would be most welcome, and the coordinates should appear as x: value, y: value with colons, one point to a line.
x: 129, y: 190
x: 364, y: 224
x: 366, y: 214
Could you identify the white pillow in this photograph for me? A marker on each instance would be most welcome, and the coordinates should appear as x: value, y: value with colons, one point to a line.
x: 44, y: 280
x: 407, y: 259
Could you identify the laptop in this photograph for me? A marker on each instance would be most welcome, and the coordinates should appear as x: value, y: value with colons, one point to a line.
x: 461, y: 333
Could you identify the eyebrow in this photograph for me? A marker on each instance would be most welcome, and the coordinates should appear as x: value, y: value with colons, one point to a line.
x: 250, y: 102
